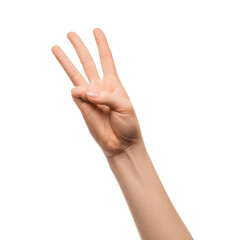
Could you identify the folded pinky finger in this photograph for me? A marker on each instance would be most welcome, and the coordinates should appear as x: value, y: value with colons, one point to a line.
x: 79, y: 92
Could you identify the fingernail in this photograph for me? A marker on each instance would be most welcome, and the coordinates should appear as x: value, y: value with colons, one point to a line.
x: 92, y: 94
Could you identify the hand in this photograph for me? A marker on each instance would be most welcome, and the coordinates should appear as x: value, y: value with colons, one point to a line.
x: 104, y: 103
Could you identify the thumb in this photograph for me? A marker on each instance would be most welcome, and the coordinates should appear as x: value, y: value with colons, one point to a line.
x: 112, y: 100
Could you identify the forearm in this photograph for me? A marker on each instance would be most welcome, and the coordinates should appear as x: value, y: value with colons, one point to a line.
x: 150, y: 206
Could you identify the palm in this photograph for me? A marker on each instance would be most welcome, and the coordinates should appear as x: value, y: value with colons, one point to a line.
x: 113, y: 128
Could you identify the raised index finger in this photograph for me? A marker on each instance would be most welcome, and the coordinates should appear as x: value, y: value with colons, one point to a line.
x: 75, y: 76
x: 106, y: 58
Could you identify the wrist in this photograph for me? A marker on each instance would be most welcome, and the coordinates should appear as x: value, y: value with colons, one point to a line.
x: 131, y: 156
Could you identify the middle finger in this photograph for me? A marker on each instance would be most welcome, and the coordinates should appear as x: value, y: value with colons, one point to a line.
x: 85, y: 57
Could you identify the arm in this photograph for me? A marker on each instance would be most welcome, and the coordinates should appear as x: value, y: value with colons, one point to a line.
x: 112, y: 121
x: 151, y: 208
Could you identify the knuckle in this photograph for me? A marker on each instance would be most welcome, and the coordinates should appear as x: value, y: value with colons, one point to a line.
x: 76, y: 76
x: 87, y: 60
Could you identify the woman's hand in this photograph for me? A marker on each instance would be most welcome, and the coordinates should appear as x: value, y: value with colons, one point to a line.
x: 112, y: 122
x: 104, y: 103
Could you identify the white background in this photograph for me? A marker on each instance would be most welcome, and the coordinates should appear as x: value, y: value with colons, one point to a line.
x: 180, y: 64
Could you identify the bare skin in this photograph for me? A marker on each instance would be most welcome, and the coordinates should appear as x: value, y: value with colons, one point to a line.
x: 112, y: 121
